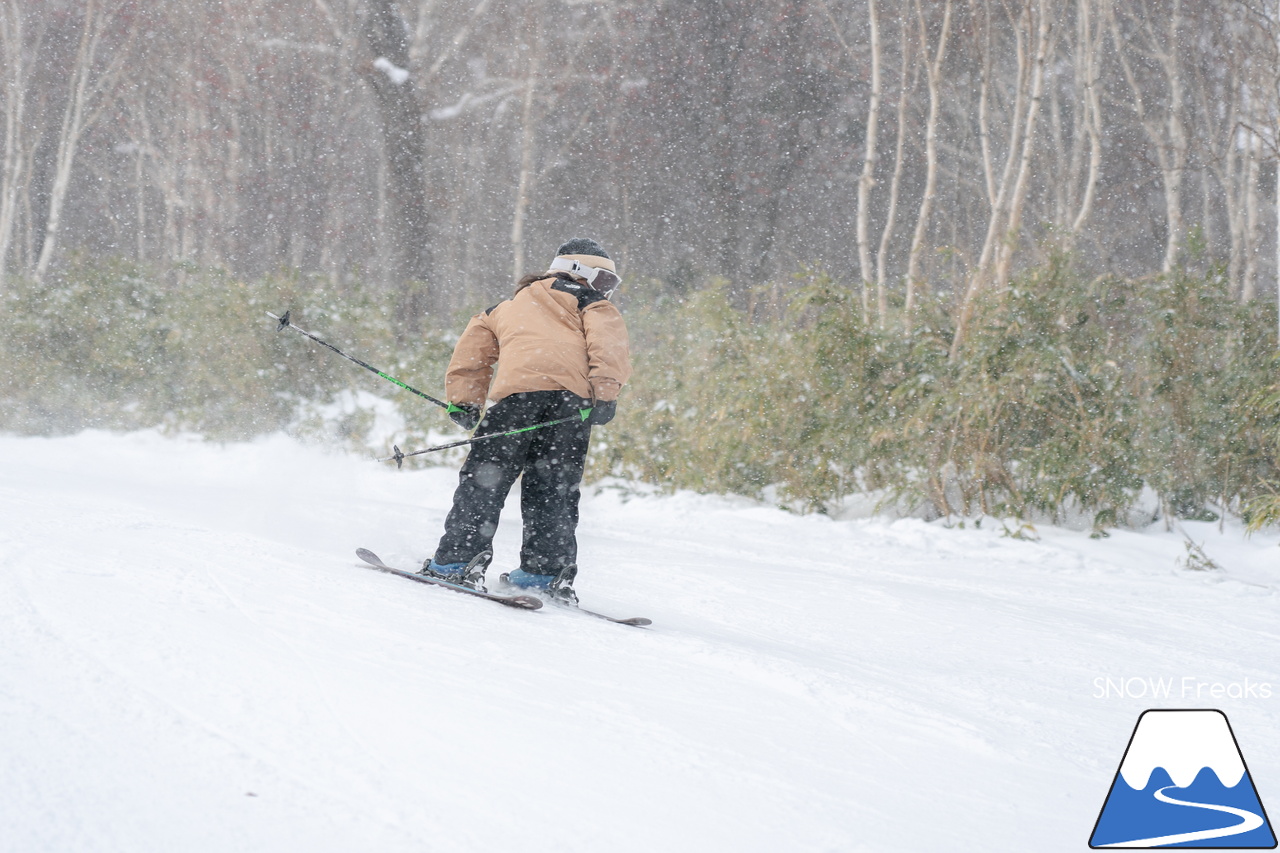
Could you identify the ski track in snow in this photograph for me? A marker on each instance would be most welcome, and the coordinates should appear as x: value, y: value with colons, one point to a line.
x: 192, y: 657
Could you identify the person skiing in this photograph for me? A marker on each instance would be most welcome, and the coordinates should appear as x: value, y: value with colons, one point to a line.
x: 561, y: 351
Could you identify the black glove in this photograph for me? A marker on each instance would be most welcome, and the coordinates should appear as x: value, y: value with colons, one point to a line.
x: 602, y: 412
x: 464, y: 415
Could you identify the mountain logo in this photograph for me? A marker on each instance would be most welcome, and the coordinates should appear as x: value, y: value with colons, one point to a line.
x: 1183, y: 783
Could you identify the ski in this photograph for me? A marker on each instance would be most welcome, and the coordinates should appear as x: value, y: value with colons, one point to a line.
x: 636, y: 621
x: 523, y: 602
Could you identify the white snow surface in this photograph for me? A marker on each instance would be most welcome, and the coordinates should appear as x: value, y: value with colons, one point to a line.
x: 192, y: 658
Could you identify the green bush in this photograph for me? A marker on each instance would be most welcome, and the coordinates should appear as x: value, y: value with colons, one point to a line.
x: 1262, y: 497
x: 1202, y: 364
x: 695, y: 418
x: 1034, y: 417
x: 1069, y: 396
x: 114, y: 345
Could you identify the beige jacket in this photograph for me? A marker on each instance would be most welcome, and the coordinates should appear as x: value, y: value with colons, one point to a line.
x: 553, y: 335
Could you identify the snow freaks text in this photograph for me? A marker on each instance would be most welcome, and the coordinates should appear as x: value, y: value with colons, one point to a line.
x: 1185, y: 687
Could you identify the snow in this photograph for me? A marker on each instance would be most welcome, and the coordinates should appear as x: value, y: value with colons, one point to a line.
x: 397, y: 75
x: 469, y: 101
x: 192, y: 659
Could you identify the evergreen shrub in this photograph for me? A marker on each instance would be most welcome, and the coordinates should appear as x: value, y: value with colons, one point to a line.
x: 114, y: 345
x: 1068, y: 397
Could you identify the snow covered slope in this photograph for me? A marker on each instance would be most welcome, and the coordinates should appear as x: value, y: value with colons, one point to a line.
x: 192, y: 659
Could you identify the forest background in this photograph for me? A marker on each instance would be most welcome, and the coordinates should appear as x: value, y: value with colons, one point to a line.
x: 1015, y: 257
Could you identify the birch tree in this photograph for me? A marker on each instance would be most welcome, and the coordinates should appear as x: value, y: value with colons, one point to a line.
x: 89, y: 92
x: 528, y: 136
x: 1263, y: 115
x: 15, y: 64
x: 1013, y: 223
x: 934, y: 53
x: 907, y: 76
x: 1032, y: 30
x: 1087, y: 67
x: 725, y: 138
x: 869, y: 158
x: 1154, y: 30
x: 1218, y: 102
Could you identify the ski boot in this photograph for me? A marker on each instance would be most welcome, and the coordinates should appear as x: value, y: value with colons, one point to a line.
x: 557, y: 586
x: 469, y: 574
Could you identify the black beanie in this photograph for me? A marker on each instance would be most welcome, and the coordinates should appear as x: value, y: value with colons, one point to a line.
x: 582, y: 246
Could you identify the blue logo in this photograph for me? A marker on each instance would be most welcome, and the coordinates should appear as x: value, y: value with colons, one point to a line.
x: 1183, y: 783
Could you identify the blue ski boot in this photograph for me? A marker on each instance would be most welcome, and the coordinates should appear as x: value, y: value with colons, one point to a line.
x: 558, y: 586
x: 470, y: 574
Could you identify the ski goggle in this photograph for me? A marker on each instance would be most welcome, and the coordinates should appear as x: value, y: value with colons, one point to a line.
x: 603, y: 280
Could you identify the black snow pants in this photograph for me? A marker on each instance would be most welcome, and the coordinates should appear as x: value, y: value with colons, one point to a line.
x: 551, y: 460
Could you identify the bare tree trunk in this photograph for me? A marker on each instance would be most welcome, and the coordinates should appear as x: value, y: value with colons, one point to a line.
x: 166, y: 179
x: 1219, y: 109
x: 933, y: 78
x: 84, y: 105
x: 25, y: 236
x: 984, y: 94
x: 1089, y: 78
x: 192, y: 176
x: 1168, y: 137
x: 232, y: 160
x: 535, y: 90
x: 1269, y: 18
x: 1232, y: 182
x: 404, y: 146
x: 140, y: 201
x: 869, y: 156
x: 886, y: 234
x: 524, y: 184
x: 997, y: 190
x: 1177, y: 136
x: 1252, y: 244
x: 1013, y: 226
x: 417, y: 49
x: 13, y: 60
x: 1006, y: 210
x: 1073, y: 132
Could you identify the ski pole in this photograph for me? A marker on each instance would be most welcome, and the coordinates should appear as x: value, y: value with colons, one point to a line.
x: 399, y: 456
x: 285, y: 324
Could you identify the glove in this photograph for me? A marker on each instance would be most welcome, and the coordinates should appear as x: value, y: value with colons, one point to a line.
x: 602, y: 412
x: 464, y: 415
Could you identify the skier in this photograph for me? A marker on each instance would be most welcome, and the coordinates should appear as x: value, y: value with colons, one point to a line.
x: 561, y: 350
